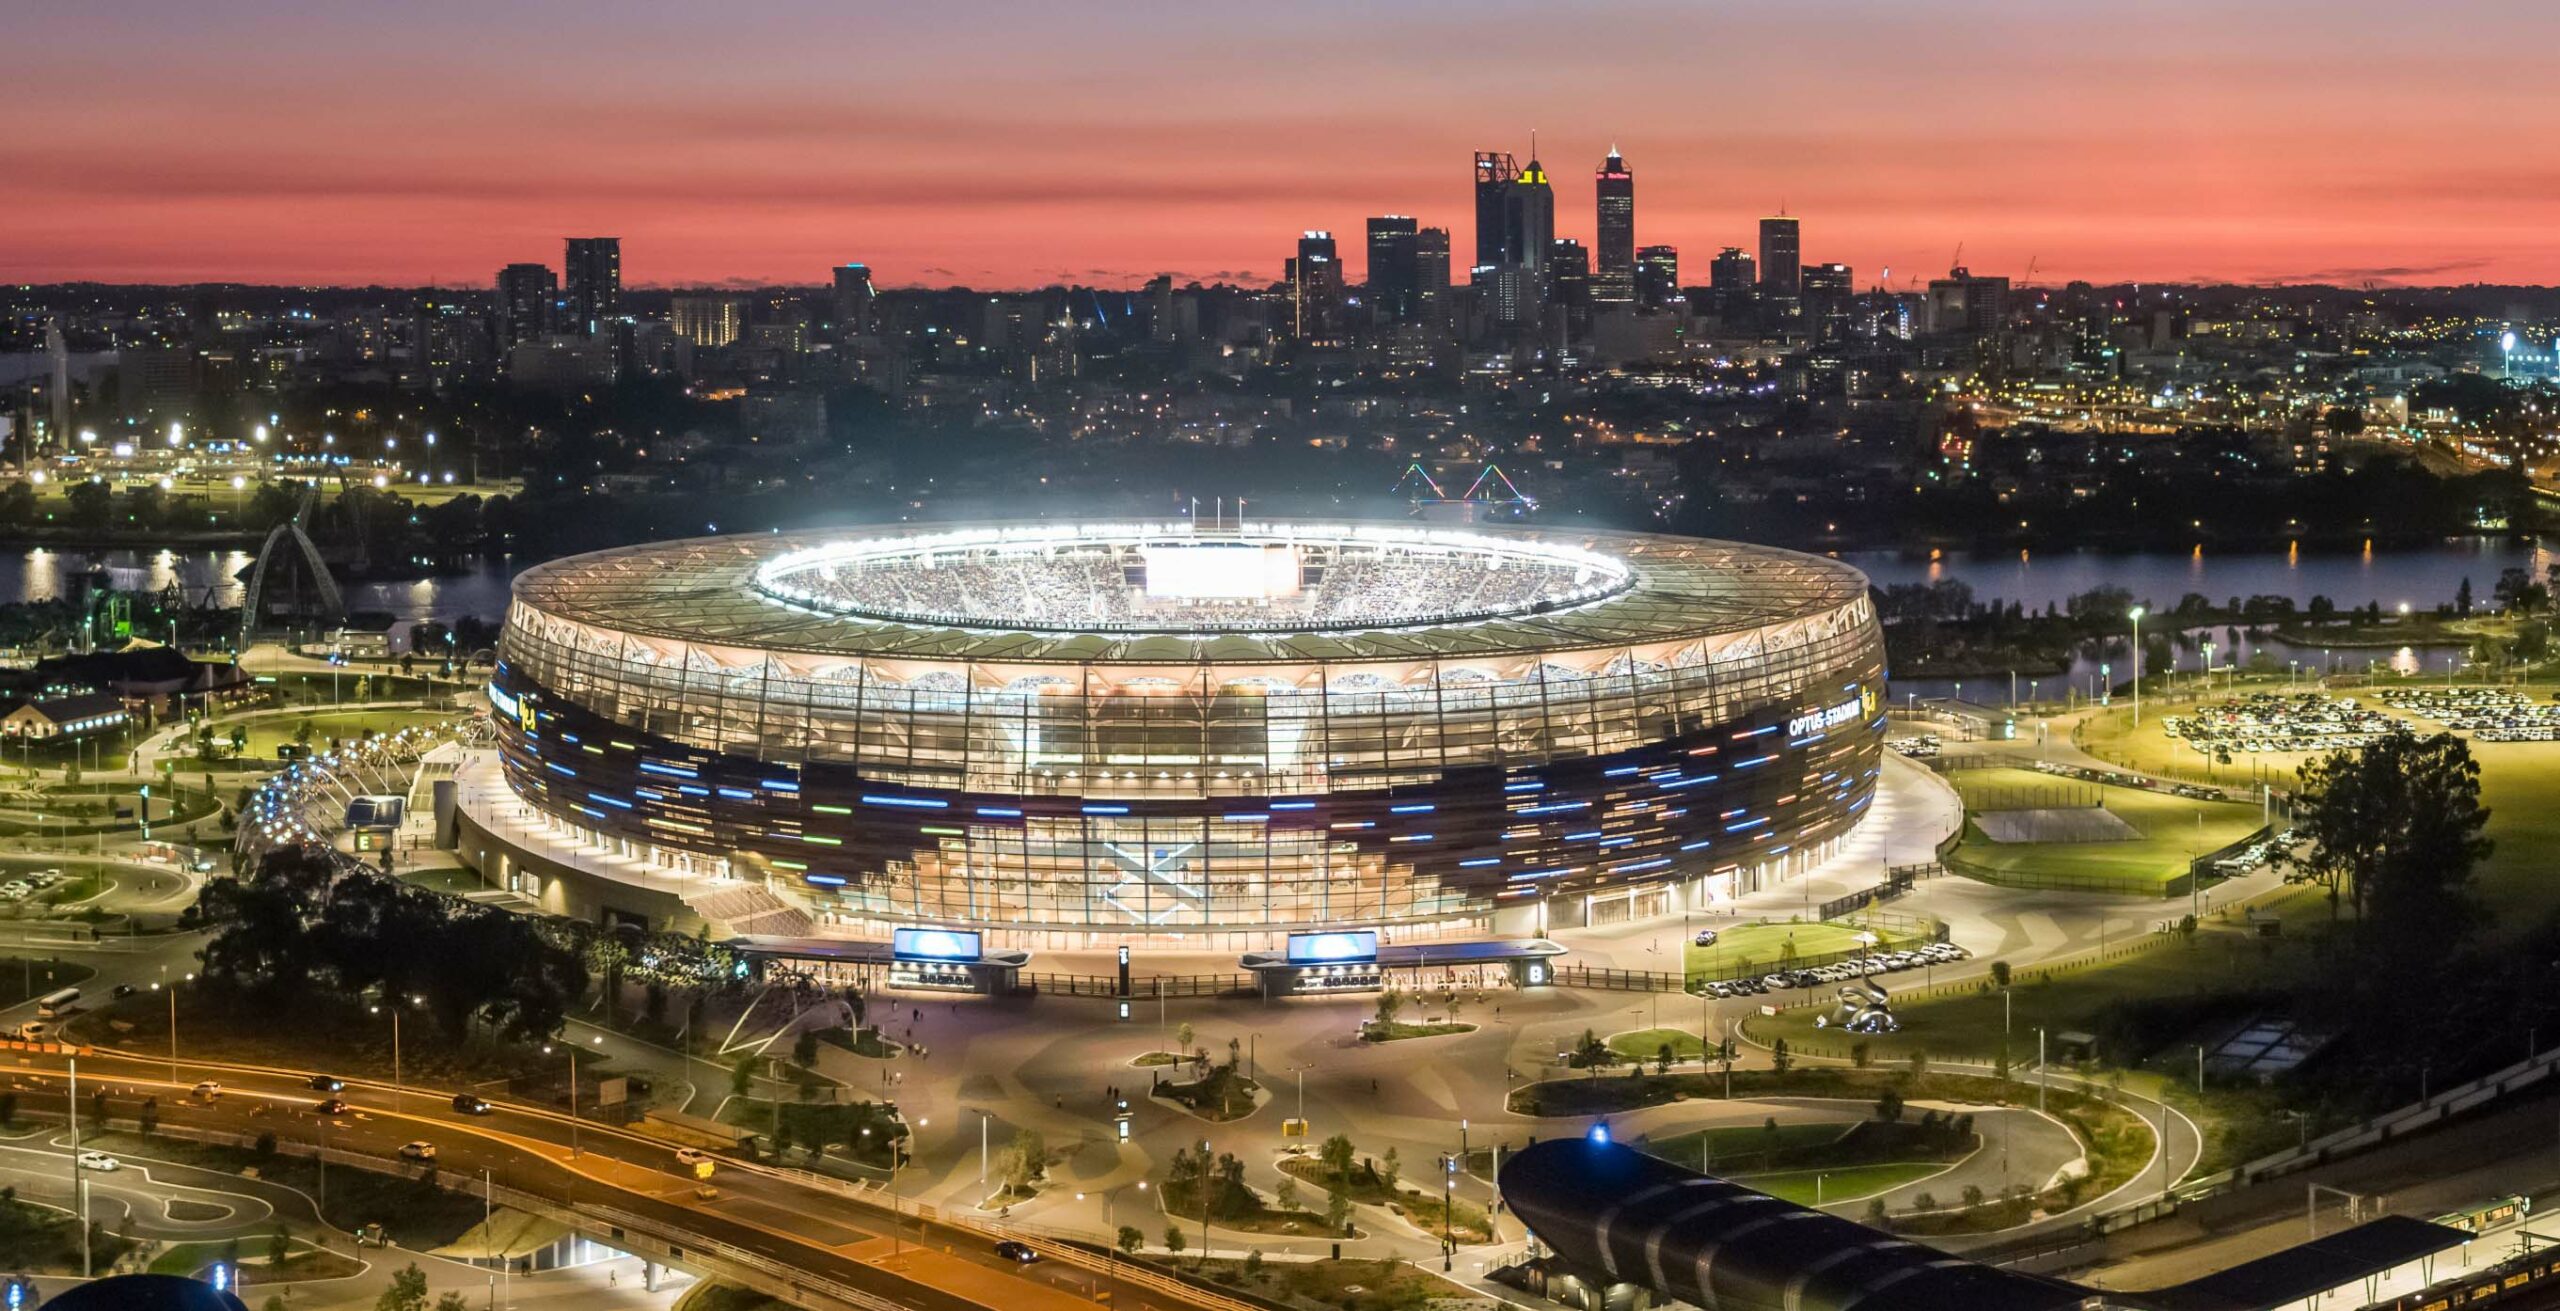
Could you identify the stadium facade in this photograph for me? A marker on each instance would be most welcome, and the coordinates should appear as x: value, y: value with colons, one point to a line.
x: 1079, y: 734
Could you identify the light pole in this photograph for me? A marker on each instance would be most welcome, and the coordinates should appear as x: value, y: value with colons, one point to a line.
x: 2137, y: 666
x: 1448, y: 1236
x: 163, y: 986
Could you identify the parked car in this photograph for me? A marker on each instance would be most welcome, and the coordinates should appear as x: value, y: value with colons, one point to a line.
x: 1705, y: 938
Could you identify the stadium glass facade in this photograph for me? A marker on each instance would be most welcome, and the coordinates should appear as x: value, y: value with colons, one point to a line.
x: 1705, y: 709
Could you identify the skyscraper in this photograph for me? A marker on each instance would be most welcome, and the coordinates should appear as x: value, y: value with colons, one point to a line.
x: 1393, y: 276
x: 593, y: 272
x: 1732, y: 278
x: 708, y: 320
x: 1431, y: 275
x: 1781, y: 261
x: 1569, y: 286
x: 527, y: 294
x: 1828, y: 291
x: 1315, y: 286
x: 1657, y: 276
x: 854, y: 297
x: 1613, y: 281
x: 1495, y: 173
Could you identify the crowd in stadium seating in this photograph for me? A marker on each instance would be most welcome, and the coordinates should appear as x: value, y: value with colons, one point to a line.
x: 1094, y: 590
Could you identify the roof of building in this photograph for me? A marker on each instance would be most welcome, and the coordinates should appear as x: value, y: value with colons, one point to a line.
x: 1619, y: 1214
x: 704, y: 591
x: 64, y: 709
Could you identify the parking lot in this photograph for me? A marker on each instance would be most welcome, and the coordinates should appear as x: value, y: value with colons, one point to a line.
x: 2273, y: 721
x: 1859, y: 967
x: 2492, y: 714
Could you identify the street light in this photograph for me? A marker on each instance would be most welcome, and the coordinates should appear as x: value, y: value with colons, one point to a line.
x: 162, y: 985
x: 2137, y: 666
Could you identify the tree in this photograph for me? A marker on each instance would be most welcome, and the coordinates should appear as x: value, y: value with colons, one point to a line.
x: 742, y: 1075
x: 1390, y: 1168
x: 1861, y: 1053
x: 1889, y: 1107
x: 1972, y: 1195
x: 1337, y: 1212
x: 2000, y: 973
x: 1285, y: 1197
x: 279, y: 1246
x: 1026, y: 1159
x: 804, y: 1050
x: 1131, y: 1239
x: 2395, y: 831
x: 1389, y: 1002
x: 408, y: 1291
x: 453, y: 1301
x: 1877, y: 1217
x: 1173, y: 1239
x: 1662, y: 1059
x: 1919, y: 1066
x: 1779, y: 1057
x: 1336, y: 1156
x: 1182, y: 1037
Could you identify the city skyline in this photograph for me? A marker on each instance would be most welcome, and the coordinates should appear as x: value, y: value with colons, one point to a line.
x: 2342, y: 150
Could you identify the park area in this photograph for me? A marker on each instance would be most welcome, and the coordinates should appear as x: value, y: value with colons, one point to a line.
x: 2030, y: 829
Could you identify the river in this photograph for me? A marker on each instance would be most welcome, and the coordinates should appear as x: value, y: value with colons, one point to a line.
x: 2422, y: 577
x: 43, y: 574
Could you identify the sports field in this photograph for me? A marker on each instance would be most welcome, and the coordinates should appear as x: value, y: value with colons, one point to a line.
x: 2171, y: 831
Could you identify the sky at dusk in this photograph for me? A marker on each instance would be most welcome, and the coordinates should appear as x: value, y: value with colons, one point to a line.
x: 1104, y: 141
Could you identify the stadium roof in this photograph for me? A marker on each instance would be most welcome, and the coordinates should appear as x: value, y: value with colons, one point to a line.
x: 702, y: 590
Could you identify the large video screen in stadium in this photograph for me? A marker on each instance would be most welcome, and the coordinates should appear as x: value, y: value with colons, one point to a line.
x: 1220, y: 572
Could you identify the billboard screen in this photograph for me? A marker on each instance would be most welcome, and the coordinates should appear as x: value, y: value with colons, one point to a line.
x: 1333, y: 948
x: 934, y: 944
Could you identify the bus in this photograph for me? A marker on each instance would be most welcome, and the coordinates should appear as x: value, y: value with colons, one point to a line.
x: 54, y: 1005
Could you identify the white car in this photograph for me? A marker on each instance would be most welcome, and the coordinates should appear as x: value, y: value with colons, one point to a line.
x: 99, y: 1161
x: 691, y: 1156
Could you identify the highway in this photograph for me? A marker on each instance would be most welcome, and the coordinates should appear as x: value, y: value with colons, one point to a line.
x: 810, y: 1226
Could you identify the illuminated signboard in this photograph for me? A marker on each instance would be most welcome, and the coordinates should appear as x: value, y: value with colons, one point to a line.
x: 1333, y: 948
x: 934, y: 944
x: 1856, y: 707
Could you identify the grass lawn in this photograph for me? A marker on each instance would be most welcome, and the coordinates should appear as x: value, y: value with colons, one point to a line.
x: 1373, y: 1031
x: 1222, y: 1094
x: 2174, y: 831
x: 267, y: 732
x: 1758, y: 947
x: 304, y: 1262
x: 1419, y: 1205
x: 1740, y: 1144
x: 1849, y: 1183
x: 1645, y: 1045
x: 1243, y: 1213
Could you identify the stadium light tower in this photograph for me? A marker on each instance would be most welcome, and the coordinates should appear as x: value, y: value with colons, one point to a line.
x: 2137, y: 666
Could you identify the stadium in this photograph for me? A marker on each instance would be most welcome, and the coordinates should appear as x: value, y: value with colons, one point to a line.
x: 1082, y: 734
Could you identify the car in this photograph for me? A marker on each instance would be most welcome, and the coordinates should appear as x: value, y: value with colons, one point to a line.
x: 329, y: 1106
x: 99, y: 1161
x: 691, y: 1156
x: 327, y: 1083
x: 122, y: 991
x: 1705, y: 938
x: 34, y: 1031
x: 208, y: 1091
x: 419, y: 1150
x: 470, y: 1104
x: 1017, y: 1252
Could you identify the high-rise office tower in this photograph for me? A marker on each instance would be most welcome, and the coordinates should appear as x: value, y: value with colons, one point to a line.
x: 527, y: 295
x: 1495, y: 174
x: 1315, y: 286
x: 708, y: 320
x: 1431, y: 275
x: 854, y: 298
x: 1516, y: 224
x: 1393, y: 241
x: 1828, y: 291
x: 1733, y: 279
x: 1613, y: 280
x: 593, y: 273
x: 57, y: 387
x: 1569, y: 283
x: 1657, y: 276
x: 1781, y: 259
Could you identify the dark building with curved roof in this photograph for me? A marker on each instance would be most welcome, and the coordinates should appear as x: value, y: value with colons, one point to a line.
x: 1617, y: 1216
